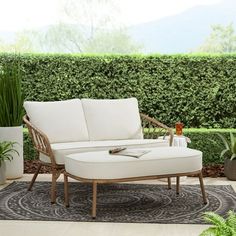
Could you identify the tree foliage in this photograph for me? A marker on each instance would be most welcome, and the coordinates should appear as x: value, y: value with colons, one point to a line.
x: 90, y: 30
x: 23, y: 43
x: 117, y: 41
x: 221, y: 40
x: 89, y: 26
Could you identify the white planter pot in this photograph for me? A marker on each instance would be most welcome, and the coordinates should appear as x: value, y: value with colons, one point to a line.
x: 3, y: 173
x: 14, y: 168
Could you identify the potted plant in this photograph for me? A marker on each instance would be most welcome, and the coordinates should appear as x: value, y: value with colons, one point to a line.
x: 6, y: 154
x: 221, y: 226
x: 11, y: 112
x: 230, y: 156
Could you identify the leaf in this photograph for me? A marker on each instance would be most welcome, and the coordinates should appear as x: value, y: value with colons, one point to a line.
x: 224, y: 141
x: 11, y: 98
x: 6, y: 151
x: 221, y: 226
x: 233, y: 156
x: 212, y: 231
x: 231, y: 220
x: 224, y: 152
x: 233, y: 142
x: 215, y: 219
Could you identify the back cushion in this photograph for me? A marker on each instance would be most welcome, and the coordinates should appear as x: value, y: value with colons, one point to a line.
x: 112, y: 119
x: 61, y: 121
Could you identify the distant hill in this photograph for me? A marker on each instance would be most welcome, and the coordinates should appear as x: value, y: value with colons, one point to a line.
x: 179, y: 33
x: 186, y: 31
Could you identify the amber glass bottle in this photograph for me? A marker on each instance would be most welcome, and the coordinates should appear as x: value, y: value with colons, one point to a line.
x: 179, y: 128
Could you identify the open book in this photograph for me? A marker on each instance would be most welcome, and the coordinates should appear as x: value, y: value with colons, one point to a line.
x: 128, y: 152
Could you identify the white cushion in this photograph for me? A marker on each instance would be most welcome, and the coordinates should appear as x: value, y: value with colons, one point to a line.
x: 61, y: 121
x: 159, y: 161
x: 60, y: 150
x: 112, y: 119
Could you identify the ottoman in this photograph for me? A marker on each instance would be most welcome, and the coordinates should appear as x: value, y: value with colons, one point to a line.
x: 161, y: 162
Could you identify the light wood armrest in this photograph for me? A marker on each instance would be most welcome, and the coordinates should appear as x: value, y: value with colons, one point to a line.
x: 40, y: 140
x: 152, y: 128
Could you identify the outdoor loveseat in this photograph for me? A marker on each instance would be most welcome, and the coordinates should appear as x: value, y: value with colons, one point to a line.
x: 75, y: 126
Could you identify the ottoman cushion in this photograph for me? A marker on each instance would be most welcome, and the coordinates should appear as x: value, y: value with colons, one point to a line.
x: 159, y: 161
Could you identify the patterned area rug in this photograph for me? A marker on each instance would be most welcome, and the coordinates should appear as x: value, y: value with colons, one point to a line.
x: 128, y: 203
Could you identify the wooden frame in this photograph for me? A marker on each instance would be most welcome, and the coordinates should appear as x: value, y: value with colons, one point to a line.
x: 42, y: 145
x: 152, y: 129
x: 95, y: 182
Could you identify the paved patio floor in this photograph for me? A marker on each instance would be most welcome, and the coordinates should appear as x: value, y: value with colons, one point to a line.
x: 34, y: 228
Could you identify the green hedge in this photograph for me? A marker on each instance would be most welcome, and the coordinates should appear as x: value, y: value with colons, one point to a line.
x: 205, y: 140
x: 29, y: 151
x: 198, y: 90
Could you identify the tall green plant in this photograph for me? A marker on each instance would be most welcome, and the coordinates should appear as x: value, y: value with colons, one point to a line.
x: 230, y: 147
x: 221, y: 226
x: 11, y: 97
x: 6, y: 151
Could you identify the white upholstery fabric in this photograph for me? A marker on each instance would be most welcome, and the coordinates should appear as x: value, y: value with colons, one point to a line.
x: 60, y: 150
x: 61, y: 121
x: 160, y: 161
x: 112, y: 119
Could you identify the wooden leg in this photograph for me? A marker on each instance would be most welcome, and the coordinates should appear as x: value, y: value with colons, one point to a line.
x: 53, y: 187
x: 177, y: 184
x: 202, y: 188
x: 34, y: 177
x: 169, y: 182
x: 66, y: 192
x: 94, y: 199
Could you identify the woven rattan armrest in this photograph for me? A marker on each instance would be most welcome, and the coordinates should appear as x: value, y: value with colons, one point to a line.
x: 152, y: 128
x: 40, y: 140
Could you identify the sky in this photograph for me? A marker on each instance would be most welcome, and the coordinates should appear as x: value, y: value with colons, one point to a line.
x: 16, y: 15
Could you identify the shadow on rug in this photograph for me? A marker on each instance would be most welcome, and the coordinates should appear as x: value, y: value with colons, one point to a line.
x: 127, y: 203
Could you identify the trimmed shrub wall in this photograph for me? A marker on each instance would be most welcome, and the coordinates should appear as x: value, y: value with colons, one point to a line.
x: 207, y: 141
x: 204, y: 140
x: 197, y: 90
x: 29, y: 151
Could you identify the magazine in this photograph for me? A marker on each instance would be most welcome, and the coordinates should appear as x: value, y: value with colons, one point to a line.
x: 128, y: 152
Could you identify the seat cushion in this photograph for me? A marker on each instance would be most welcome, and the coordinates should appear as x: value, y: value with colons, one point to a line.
x: 112, y: 119
x: 61, y: 121
x: 60, y: 150
x: 159, y: 161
